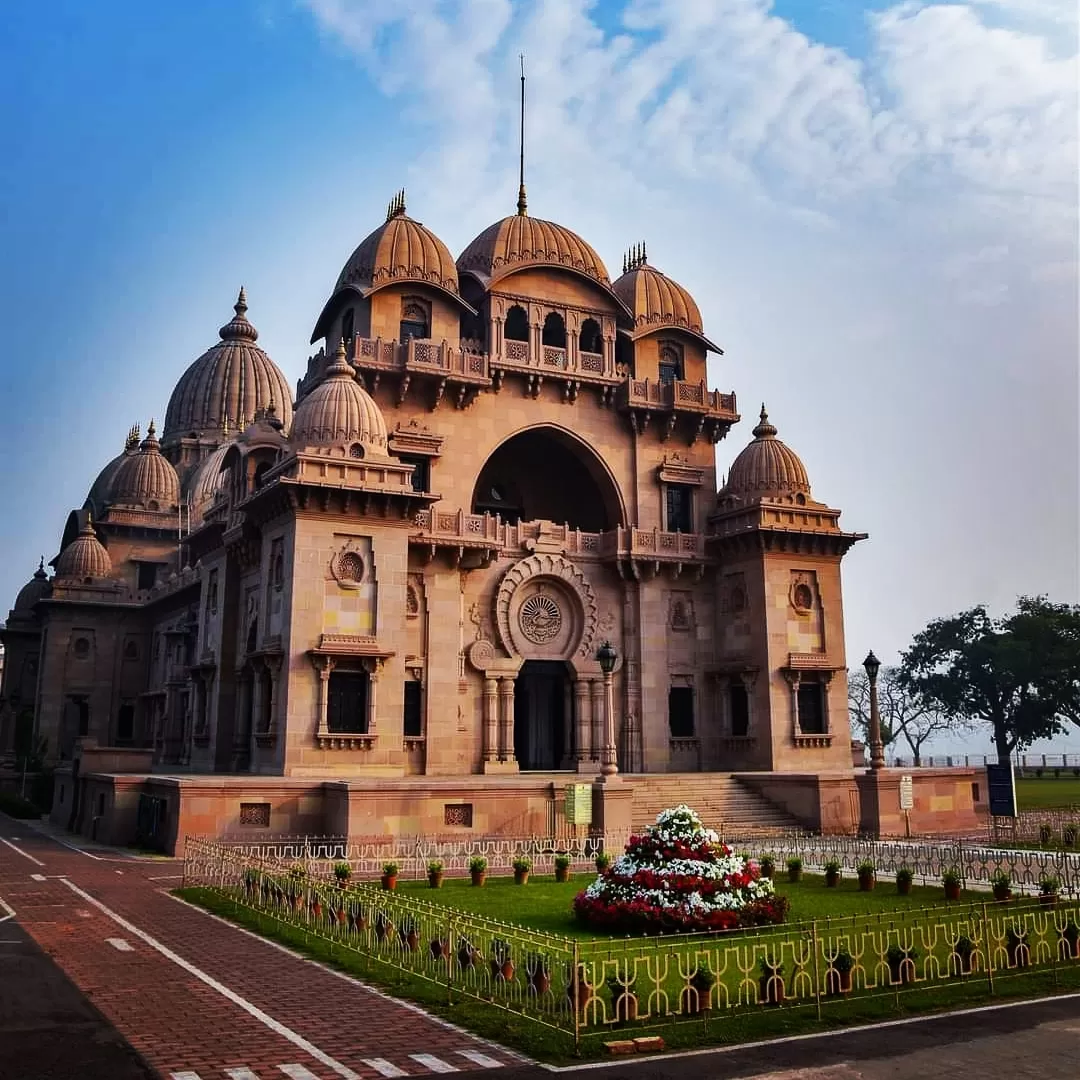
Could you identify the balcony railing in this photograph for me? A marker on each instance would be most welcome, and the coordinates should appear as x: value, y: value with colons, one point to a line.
x: 420, y: 355
x: 680, y: 395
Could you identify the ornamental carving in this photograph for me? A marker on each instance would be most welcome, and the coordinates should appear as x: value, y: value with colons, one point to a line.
x: 348, y: 568
x: 540, y: 618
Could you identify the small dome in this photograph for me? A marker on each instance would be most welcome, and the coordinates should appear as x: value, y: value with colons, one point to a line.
x: 206, y: 482
x: 97, y: 498
x: 400, y: 249
x: 766, y: 467
x: 339, y: 412
x: 146, y: 479
x: 520, y: 241
x: 37, y: 588
x: 84, y: 557
x: 227, y: 384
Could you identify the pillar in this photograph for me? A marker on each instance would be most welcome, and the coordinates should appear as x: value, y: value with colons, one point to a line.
x: 596, y: 691
x: 491, y: 719
x: 506, y: 718
x: 583, y: 713
x: 326, y: 665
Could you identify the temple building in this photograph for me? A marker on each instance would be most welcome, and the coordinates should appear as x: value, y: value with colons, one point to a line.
x: 377, y: 604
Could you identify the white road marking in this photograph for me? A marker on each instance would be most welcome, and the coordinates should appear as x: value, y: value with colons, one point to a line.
x: 185, y: 1076
x: 435, y: 1064
x: 8, y: 908
x: 84, y: 914
x: 384, y: 1067
x: 298, y: 1072
x: 37, y: 877
x: 252, y: 1010
x: 482, y: 1060
x: 243, y: 1073
x: 19, y: 851
x: 175, y: 877
x: 119, y: 944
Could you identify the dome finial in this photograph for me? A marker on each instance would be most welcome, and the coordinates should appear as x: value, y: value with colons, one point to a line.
x: 40, y: 572
x: 340, y: 364
x: 522, y: 203
x: 132, y: 442
x: 396, y: 206
x: 764, y: 429
x: 151, y: 432
x: 240, y: 307
x: 238, y: 328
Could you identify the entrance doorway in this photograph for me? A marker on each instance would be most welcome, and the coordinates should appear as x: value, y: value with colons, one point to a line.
x: 541, y: 717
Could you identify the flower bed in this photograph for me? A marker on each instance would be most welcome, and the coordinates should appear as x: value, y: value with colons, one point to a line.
x: 676, y: 876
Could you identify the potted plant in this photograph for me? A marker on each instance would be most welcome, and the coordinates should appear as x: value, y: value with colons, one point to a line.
x: 771, y: 982
x: 838, y: 977
x: 866, y: 873
x: 1049, y: 887
x: 697, y: 995
x: 1046, y: 833
x: 389, y: 876
x: 467, y: 954
x: 409, y: 933
x: 1001, y: 884
x: 478, y: 869
x: 562, y: 867
x: 538, y: 973
x: 578, y: 988
x: 901, y: 963
x: 623, y: 1001
x: 439, y: 947
x: 502, y: 964
x: 1070, y: 941
x: 768, y: 866
x: 1069, y: 835
x: 251, y: 880
x: 1016, y: 946
x: 603, y: 862
x: 832, y: 873
x: 904, y: 877
x: 383, y: 926
x: 435, y: 873
x: 342, y: 871
x: 522, y: 865
x: 951, y: 880
x: 963, y: 948
x: 794, y: 868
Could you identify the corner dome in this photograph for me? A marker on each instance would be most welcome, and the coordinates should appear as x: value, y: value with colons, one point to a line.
x: 146, y: 479
x: 97, y: 498
x: 84, y: 558
x: 520, y: 241
x: 206, y: 482
x: 37, y: 588
x: 766, y: 468
x: 227, y: 384
x: 340, y: 413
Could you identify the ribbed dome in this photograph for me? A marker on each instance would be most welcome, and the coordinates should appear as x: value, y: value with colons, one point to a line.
x: 97, y: 497
x: 37, y: 588
x: 227, y: 384
x: 339, y: 412
x: 654, y: 298
x: 766, y: 467
x: 206, y: 483
x: 84, y: 557
x: 146, y: 479
x: 523, y: 241
x: 401, y: 249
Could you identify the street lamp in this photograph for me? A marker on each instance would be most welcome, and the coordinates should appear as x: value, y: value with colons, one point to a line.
x: 607, y: 657
x: 877, y: 751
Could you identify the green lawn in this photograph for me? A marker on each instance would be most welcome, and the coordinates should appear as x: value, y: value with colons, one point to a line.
x: 1047, y: 793
x: 544, y: 904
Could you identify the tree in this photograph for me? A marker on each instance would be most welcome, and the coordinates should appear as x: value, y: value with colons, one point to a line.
x: 1017, y: 674
x: 904, y: 714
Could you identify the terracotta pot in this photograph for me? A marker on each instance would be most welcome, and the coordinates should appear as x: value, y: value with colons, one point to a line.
x: 412, y: 939
x: 832, y: 879
x: 540, y: 982
x: 389, y: 882
x: 771, y: 990
x: 507, y: 970
x: 562, y: 873
x: 478, y: 877
x: 867, y: 882
x: 437, y: 948
x: 521, y: 877
x: 901, y: 973
x: 692, y: 1004
x: 434, y: 879
x: 794, y: 876
x: 903, y: 888
x: 624, y: 1006
x: 963, y: 963
x: 1002, y: 895
x: 952, y: 890
x: 1048, y: 899
x: 838, y: 982
x: 1018, y: 955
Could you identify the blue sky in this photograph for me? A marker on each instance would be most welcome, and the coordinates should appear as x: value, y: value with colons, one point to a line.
x: 875, y: 206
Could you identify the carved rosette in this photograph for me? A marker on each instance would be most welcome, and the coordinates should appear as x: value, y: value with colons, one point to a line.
x: 545, y: 608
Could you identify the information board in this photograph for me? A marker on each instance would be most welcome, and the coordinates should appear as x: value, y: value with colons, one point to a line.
x: 907, y: 793
x: 1002, y: 793
x: 579, y: 804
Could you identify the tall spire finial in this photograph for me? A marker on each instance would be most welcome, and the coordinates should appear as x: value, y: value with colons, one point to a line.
x: 764, y: 429
x: 396, y: 206
x: 241, y: 302
x: 522, y: 205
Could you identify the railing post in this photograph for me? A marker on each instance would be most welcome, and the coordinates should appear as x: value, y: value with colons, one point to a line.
x: 451, y: 954
x: 817, y: 973
x: 575, y: 986
x: 989, y: 952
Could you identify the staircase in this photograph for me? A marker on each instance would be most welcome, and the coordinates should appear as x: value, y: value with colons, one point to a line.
x: 722, y: 802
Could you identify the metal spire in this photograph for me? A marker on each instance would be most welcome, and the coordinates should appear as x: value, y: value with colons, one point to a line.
x: 521, y: 203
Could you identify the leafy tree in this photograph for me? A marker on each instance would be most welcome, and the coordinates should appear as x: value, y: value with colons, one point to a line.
x: 1018, y: 674
x: 904, y: 714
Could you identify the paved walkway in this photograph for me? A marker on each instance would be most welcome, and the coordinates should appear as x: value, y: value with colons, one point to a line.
x: 200, y: 999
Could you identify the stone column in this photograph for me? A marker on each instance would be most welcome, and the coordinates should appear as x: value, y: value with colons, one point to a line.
x: 273, y: 669
x: 748, y: 685
x: 567, y: 724
x: 256, y: 699
x: 491, y: 719
x: 793, y: 679
x: 326, y: 665
x: 583, y: 715
x: 373, y: 683
x: 506, y: 718
x: 596, y: 690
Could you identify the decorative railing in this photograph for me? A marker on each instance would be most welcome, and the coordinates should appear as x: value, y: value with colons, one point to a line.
x: 420, y: 355
x: 615, y: 987
x: 679, y: 395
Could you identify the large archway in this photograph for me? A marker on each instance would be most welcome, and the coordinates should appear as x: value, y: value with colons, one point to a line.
x: 548, y: 473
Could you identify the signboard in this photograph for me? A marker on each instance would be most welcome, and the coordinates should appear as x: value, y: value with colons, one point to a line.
x: 1002, y: 793
x: 907, y: 793
x: 579, y: 804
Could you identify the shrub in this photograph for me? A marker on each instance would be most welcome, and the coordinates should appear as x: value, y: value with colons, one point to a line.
x: 950, y: 877
x: 767, y: 865
x: 1049, y: 885
x: 904, y: 876
x: 342, y: 871
x: 865, y: 869
x: 1068, y: 836
x: 390, y: 869
x: 297, y: 871
x: 603, y: 862
x: 562, y: 862
x: 435, y: 866
x: 522, y: 864
x: 843, y: 961
x: 1046, y: 833
x: 833, y: 867
x: 477, y: 864
x: 794, y: 864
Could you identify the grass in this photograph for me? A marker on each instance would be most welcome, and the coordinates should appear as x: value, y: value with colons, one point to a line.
x: 1048, y: 793
x: 544, y: 904
x: 726, y: 1027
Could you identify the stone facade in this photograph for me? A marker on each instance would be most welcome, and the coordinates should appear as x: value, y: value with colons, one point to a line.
x: 490, y: 468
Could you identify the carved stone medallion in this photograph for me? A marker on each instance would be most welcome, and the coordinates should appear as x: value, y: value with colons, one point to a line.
x: 540, y: 618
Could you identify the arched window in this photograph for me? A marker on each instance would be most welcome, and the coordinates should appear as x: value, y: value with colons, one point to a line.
x: 517, y: 325
x: 260, y: 474
x: 554, y: 331
x: 414, y: 321
x: 348, y: 322
x: 624, y: 356
x: 590, y: 339
x: 671, y: 362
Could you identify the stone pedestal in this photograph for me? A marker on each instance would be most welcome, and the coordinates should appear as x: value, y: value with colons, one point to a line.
x: 613, y: 807
x: 946, y: 802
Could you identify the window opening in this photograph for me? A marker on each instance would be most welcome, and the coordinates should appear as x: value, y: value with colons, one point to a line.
x: 812, y: 709
x: 681, y: 712
x: 680, y: 508
x: 739, y: 702
x: 554, y: 333
x: 590, y: 339
x: 347, y: 696
x: 421, y: 477
x: 671, y: 363
x: 414, y: 717
x: 517, y: 324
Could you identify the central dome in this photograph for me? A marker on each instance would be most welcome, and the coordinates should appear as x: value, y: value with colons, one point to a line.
x: 229, y: 383
x: 519, y: 241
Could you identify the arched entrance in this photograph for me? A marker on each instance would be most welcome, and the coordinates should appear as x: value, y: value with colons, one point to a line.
x: 542, y: 713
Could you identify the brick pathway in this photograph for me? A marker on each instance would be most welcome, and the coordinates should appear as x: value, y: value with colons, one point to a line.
x: 202, y: 1000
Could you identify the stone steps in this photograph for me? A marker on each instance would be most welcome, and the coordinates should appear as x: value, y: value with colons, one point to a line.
x: 720, y: 800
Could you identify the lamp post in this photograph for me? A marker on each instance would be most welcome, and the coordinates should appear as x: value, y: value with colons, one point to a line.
x: 877, y: 750
x: 608, y: 658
